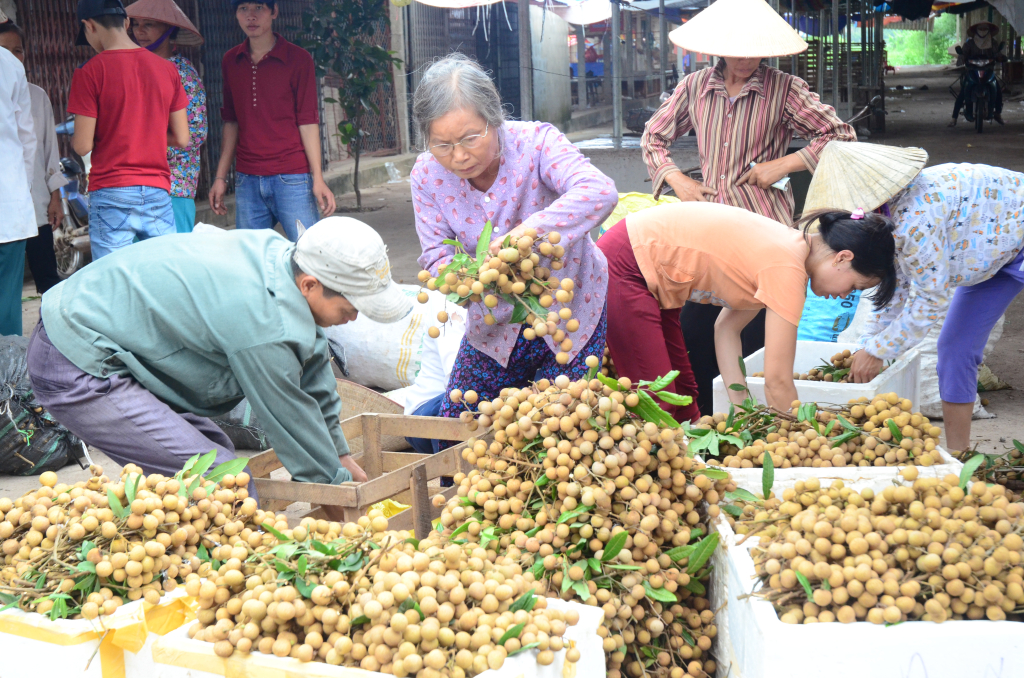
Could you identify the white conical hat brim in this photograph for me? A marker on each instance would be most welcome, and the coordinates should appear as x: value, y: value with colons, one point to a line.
x: 739, y: 28
x: 853, y: 175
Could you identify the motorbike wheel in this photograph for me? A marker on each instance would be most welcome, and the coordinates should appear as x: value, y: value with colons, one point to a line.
x: 69, y: 259
x: 979, y: 115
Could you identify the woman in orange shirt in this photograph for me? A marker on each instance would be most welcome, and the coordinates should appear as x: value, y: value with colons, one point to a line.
x: 709, y: 253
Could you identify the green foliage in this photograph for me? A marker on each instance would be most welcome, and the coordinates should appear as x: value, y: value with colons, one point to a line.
x: 341, y: 40
x: 907, y: 48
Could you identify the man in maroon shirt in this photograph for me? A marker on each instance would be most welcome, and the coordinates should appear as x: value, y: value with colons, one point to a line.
x: 271, y: 121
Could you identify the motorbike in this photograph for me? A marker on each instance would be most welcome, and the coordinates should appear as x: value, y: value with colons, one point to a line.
x: 71, y: 240
x: 979, y: 79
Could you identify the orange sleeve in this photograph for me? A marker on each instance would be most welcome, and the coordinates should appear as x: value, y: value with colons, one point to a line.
x: 783, y: 290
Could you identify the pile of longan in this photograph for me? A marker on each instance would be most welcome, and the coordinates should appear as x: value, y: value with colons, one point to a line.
x: 925, y: 550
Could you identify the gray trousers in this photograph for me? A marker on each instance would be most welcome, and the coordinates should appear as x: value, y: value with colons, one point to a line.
x: 119, y: 416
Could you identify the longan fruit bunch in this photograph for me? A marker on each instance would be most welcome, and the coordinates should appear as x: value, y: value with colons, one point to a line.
x: 572, y: 471
x: 141, y: 553
x: 515, y: 274
x: 426, y: 609
x: 607, y: 366
x: 867, y: 437
x: 925, y: 550
x: 836, y: 369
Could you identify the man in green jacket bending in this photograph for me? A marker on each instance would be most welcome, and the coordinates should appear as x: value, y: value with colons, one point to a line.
x: 137, y: 350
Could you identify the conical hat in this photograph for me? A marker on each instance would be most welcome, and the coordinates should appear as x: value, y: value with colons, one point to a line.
x: 167, y: 12
x: 739, y: 28
x: 852, y: 175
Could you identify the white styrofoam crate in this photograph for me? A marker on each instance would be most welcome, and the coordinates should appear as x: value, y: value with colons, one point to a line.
x: 903, y: 377
x: 196, y: 657
x: 753, y: 643
x: 750, y: 478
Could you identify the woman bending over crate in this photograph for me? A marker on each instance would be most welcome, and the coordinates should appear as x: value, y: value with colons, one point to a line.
x: 716, y: 254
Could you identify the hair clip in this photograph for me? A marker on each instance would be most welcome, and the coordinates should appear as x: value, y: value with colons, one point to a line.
x: 857, y: 214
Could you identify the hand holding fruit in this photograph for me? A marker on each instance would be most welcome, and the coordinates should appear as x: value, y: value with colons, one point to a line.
x: 864, y: 367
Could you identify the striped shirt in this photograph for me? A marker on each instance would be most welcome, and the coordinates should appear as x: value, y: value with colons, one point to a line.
x: 756, y: 127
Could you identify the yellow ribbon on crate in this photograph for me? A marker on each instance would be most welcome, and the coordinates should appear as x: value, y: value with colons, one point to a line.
x: 389, y: 507
x: 122, y: 632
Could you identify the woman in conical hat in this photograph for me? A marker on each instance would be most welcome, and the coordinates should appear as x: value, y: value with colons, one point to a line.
x: 959, y: 249
x: 743, y: 112
x: 159, y: 26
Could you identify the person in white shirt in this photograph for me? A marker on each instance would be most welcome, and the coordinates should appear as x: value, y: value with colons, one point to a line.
x: 17, y: 157
x: 47, y: 178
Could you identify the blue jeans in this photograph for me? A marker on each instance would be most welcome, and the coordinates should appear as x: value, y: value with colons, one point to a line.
x: 117, y: 216
x: 431, y: 408
x: 261, y: 202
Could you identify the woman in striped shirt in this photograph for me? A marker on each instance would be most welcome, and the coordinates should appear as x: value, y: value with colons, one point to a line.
x: 744, y: 114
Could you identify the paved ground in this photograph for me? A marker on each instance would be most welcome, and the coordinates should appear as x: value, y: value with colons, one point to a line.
x: 917, y: 118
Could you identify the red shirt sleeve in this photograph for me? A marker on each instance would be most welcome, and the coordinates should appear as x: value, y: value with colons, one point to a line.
x: 83, y: 99
x: 227, y: 110
x: 180, y: 100
x: 307, y: 105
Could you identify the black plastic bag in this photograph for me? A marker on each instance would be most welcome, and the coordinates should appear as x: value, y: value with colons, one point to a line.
x: 242, y: 428
x: 31, y: 441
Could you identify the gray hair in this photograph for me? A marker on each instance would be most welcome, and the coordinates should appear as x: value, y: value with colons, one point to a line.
x: 453, y: 83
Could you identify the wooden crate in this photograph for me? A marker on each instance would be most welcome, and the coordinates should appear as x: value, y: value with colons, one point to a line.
x: 402, y: 476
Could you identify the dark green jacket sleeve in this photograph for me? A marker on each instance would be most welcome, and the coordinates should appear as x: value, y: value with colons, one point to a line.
x: 298, y: 407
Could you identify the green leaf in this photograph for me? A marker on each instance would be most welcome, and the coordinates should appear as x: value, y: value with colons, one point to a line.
x: 894, y: 430
x: 767, y: 475
x: 454, y: 243
x: 663, y: 382
x: 524, y: 648
x: 483, y: 245
x: 970, y: 466
x: 731, y: 417
x: 512, y: 632
x: 825, y: 585
x: 847, y: 425
x: 520, y: 313
x: 595, y: 565
x: 740, y: 495
x: 680, y: 552
x: 688, y: 638
x: 613, y: 384
x: 351, y: 564
x: 86, y: 566
x: 87, y: 546
x: 461, y: 528
x: 542, y: 481
x: 415, y: 542
x: 301, y: 566
x: 702, y: 553
x: 41, y: 582
x: 673, y: 398
x: 648, y: 410
x: 323, y: 548
x: 732, y: 510
x: 661, y: 595
x: 228, y: 468
x: 623, y: 567
x: 592, y: 372
x: 204, y: 463
x: 806, y: 584
x: 279, y: 535
x: 1019, y: 445
x: 695, y: 587
x: 566, y: 581
x: 828, y: 429
x: 575, y: 513
x: 115, y: 505
x: 15, y: 604
x: 188, y: 466
x: 743, y: 367
x: 360, y: 620
x: 192, y: 486
x: 614, y: 545
x: 582, y: 590
x: 737, y: 387
x: 131, y: 488
x: 524, y: 602
x: 537, y: 569
x: 715, y: 473
x: 304, y: 588
x: 410, y: 603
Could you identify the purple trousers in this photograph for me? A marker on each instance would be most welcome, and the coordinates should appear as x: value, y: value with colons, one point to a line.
x: 119, y: 416
x: 972, y: 315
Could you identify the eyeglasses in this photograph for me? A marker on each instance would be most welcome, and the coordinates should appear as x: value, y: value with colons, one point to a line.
x: 468, y: 143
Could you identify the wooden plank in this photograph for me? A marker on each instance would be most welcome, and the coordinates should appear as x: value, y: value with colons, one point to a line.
x: 441, y: 464
x: 263, y: 463
x: 404, y: 520
x: 371, y: 446
x: 420, y: 499
x: 434, y: 428
x: 314, y: 493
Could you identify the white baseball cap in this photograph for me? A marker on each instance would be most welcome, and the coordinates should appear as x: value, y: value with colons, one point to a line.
x: 349, y: 257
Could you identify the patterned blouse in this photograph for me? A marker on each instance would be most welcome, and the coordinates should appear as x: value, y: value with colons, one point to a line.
x: 756, y: 127
x: 184, y: 162
x: 544, y: 182
x: 956, y: 225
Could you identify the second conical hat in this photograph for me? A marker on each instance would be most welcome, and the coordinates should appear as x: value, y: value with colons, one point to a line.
x: 852, y: 175
x: 167, y: 12
x: 739, y: 28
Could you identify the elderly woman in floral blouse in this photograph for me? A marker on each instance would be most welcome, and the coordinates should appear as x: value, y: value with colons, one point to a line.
x: 159, y: 25
x: 478, y: 167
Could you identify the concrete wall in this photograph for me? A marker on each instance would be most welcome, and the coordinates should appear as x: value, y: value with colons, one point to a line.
x: 552, y: 89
